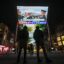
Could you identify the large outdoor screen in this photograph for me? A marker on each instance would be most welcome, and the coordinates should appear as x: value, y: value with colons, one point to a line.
x: 32, y: 16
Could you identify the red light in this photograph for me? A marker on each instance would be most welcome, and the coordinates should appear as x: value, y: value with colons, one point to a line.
x: 3, y: 49
x: 0, y: 49
x: 6, y: 49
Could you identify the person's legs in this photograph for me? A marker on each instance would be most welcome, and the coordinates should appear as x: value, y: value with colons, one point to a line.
x: 25, y: 48
x: 38, y: 59
x: 45, y: 54
x: 19, y: 54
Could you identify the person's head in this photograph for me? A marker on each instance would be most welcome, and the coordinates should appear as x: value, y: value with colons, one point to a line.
x: 43, y: 12
x: 25, y: 28
x: 37, y: 27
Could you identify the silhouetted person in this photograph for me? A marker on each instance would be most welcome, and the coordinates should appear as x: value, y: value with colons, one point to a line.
x: 23, y: 36
x: 39, y: 39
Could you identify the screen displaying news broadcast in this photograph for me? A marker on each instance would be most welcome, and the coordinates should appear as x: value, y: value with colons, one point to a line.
x: 32, y: 16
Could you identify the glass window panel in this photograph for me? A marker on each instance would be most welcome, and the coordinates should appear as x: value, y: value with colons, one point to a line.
x: 59, y: 43
x: 58, y: 39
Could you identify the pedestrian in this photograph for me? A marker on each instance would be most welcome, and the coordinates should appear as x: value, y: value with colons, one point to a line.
x: 23, y: 36
x: 39, y: 40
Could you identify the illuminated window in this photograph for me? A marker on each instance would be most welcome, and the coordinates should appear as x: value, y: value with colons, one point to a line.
x: 63, y: 42
x: 62, y: 37
x: 59, y: 43
x: 58, y: 39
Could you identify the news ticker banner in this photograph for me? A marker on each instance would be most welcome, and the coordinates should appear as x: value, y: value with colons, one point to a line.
x: 32, y: 22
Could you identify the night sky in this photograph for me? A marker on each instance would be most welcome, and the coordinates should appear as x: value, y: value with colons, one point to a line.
x: 8, y: 13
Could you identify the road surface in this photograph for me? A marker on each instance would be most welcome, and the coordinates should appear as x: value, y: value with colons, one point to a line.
x: 57, y: 58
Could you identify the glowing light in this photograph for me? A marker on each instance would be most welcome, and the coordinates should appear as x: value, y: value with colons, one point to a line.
x: 63, y: 42
x: 3, y: 49
x: 0, y: 49
x: 59, y: 43
x: 62, y: 37
x: 41, y: 50
x: 32, y: 22
x: 6, y: 49
x: 58, y: 39
x: 1, y: 46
